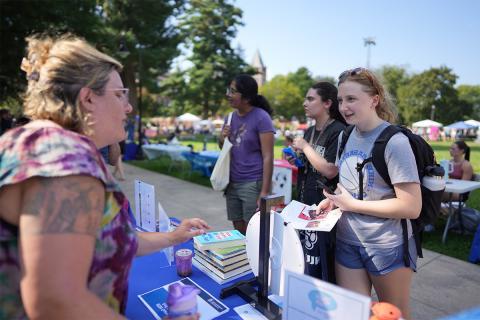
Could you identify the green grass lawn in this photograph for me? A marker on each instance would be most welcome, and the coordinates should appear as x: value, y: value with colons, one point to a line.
x: 457, y: 245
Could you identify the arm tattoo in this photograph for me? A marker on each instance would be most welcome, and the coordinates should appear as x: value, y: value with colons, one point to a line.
x: 65, y: 205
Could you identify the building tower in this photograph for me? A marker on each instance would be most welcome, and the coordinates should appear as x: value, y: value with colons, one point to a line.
x: 257, y: 63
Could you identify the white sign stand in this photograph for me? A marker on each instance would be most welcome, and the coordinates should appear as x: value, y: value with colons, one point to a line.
x: 309, y: 298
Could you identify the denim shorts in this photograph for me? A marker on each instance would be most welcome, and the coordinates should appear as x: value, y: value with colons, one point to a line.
x: 242, y: 199
x: 377, y: 261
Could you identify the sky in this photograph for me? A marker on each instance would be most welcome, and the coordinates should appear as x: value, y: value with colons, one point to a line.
x: 327, y: 37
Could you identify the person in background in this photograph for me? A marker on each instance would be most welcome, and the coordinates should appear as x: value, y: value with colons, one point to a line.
x: 318, y: 149
x: 288, y: 144
x: 370, y: 246
x: 251, y: 163
x: 192, y: 149
x: 462, y: 168
x: 67, y: 235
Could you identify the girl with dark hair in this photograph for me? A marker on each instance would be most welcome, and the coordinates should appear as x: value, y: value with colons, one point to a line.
x: 251, y: 163
x: 462, y: 168
x: 319, y: 149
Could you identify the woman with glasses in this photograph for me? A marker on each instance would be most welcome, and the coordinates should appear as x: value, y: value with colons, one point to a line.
x: 369, y: 247
x: 66, y: 232
x: 319, y: 149
x: 251, y: 163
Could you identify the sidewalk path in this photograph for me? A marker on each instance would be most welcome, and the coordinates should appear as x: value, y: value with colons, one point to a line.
x: 442, y: 285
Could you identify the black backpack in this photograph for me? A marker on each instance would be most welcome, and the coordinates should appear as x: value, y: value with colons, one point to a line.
x: 426, y: 165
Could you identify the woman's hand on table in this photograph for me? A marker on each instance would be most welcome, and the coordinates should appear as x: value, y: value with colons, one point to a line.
x: 188, y: 229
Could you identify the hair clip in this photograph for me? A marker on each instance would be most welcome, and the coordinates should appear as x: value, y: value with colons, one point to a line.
x: 26, y: 65
x: 35, y: 75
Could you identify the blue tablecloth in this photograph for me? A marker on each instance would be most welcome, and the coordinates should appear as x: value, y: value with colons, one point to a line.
x: 151, y: 272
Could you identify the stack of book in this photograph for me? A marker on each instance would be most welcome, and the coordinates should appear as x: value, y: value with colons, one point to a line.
x: 221, y: 255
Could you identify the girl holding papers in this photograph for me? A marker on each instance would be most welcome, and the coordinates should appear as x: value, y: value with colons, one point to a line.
x: 369, y: 249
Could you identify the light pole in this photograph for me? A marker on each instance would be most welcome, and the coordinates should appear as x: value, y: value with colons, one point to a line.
x: 368, y: 42
x: 432, y: 114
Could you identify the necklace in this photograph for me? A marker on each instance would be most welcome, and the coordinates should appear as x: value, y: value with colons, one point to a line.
x: 329, y: 121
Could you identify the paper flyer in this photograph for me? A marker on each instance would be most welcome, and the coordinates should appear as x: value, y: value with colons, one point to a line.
x: 208, y: 306
x: 297, y: 214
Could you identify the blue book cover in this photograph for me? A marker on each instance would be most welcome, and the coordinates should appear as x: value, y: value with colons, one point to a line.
x: 208, y: 306
x: 219, y: 239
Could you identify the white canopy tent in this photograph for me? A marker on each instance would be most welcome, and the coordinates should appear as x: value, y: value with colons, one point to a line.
x: 473, y: 123
x: 188, y: 117
x: 426, y: 124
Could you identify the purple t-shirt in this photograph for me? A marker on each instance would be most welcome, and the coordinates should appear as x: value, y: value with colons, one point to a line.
x: 246, y: 162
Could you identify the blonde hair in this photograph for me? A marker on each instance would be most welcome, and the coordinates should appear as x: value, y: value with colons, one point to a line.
x: 386, y: 109
x: 56, y: 71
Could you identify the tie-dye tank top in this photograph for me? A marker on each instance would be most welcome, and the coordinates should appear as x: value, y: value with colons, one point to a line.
x: 51, y: 151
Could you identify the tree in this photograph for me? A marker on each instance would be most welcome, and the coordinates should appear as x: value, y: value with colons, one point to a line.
x: 435, y: 86
x: 470, y: 95
x: 302, y: 78
x: 152, y: 39
x: 393, y: 78
x: 285, y: 96
x: 326, y: 79
x: 19, y: 19
x: 148, y: 34
x: 209, y: 26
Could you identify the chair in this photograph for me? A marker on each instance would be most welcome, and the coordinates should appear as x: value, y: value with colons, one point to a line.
x: 455, y: 209
x: 175, y: 159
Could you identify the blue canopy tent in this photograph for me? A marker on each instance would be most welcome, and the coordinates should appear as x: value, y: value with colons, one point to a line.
x: 461, y: 130
x: 460, y: 125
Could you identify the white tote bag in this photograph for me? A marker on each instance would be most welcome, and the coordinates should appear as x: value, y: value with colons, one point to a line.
x: 221, y: 172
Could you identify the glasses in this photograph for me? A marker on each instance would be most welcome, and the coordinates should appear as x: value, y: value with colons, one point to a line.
x: 347, y: 73
x: 125, y: 93
x: 231, y: 91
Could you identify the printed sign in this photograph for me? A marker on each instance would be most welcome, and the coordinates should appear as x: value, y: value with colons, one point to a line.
x: 309, y: 298
x: 145, y: 210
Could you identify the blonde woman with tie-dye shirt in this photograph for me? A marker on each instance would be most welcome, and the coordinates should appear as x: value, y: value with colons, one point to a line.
x: 67, y: 237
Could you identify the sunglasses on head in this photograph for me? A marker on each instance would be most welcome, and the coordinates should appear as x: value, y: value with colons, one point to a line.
x: 351, y: 72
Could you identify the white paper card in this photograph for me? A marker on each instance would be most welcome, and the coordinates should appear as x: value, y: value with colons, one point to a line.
x: 297, y: 214
x: 308, y: 298
x: 145, y: 206
x: 247, y: 312
x: 164, y: 226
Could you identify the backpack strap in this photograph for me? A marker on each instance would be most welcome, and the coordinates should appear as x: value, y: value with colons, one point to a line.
x: 359, y: 168
x: 345, y: 135
x: 378, y: 154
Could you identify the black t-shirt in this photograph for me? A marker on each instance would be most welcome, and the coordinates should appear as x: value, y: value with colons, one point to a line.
x: 325, y: 144
x: 319, y: 247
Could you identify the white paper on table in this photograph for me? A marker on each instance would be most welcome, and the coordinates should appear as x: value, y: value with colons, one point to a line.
x: 164, y: 226
x: 296, y: 213
x: 247, y: 312
x: 309, y: 298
